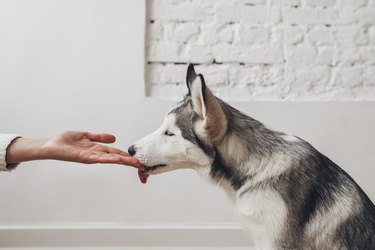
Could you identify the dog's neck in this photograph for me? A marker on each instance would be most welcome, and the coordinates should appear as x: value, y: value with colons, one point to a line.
x: 246, y: 153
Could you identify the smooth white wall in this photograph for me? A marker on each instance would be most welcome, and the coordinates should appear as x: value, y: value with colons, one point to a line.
x: 79, y: 65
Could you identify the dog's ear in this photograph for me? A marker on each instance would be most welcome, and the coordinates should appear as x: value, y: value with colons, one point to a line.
x: 190, y: 76
x: 197, y: 88
x: 206, y: 106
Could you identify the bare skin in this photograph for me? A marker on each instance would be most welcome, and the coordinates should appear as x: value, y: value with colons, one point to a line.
x: 74, y: 146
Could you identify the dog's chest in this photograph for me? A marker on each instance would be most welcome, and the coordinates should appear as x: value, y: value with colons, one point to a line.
x: 262, y: 214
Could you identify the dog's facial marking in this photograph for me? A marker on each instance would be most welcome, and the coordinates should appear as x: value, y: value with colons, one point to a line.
x: 148, y: 148
x: 186, y: 120
x: 174, y: 145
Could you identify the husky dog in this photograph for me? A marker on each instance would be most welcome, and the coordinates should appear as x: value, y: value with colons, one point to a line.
x: 287, y: 194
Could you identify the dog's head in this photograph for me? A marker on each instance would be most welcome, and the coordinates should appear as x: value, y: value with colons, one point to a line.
x: 187, y: 137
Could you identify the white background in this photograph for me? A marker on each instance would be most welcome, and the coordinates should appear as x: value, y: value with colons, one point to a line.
x: 79, y: 65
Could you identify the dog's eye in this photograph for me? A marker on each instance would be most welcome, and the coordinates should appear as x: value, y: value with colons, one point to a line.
x: 167, y: 133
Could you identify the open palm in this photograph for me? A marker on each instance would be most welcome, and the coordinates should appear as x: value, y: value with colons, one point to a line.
x: 83, y: 147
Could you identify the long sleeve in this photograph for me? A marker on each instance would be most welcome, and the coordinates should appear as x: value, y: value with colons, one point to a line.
x: 5, y: 140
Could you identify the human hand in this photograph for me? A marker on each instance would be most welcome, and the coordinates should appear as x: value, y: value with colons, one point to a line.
x: 72, y: 146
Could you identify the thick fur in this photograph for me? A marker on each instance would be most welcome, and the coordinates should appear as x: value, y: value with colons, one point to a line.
x: 286, y: 193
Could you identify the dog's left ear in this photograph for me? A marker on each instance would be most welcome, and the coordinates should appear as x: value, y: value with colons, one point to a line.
x: 197, y: 91
x: 206, y: 106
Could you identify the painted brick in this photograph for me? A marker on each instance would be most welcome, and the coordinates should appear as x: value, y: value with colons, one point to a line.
x: 300, y: 54
x: 154, y: 74
x: 182, y: 53
x: 345, y: 16
x: 348, y: 56
x: 310, y: 16
x: 369, y: 76
x: 347, y: 36
x: 179, y: 11
x: 365, y: 16
x: 163, y: 52
x: 277, y: 37
x: 198, y: 54
x: 173, y: 74
x: 250, y: 2
x: 260, y: 54
x: 304, y: 80
x: 249, y: 35
x: 320, y: 3
x: 155, y: 32
x: 263, y: 49
x: 325, y: 56
x: 217, y: 33
x: 320, y: 36
x: 215, y: 75
x: 293, y: 35
x: 362, y: 37
x: 353, y: 3
x: 285, y: 3
x: 247, y: 14
x: 350, y: 77
x: 246, y: 76
x: 371, y: 34
x: 367, y: 55
x: 181, y: 32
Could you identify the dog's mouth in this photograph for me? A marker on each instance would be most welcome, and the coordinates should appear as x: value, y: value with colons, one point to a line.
x: 154, y: 167
x: 144, y: 173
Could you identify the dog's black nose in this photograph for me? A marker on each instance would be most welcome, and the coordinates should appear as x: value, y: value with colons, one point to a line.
x: 131, y: 150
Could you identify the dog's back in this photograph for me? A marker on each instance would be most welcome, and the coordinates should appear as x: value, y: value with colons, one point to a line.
x: 327, y: 208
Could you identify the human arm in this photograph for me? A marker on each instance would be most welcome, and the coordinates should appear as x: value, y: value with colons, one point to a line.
x: 82, y: 147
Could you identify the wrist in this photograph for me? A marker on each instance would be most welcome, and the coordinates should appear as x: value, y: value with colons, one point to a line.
x: 25, y: 149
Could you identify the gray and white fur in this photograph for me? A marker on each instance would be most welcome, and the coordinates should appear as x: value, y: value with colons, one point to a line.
x: 287, y: 194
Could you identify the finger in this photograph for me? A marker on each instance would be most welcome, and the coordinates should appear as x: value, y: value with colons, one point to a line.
x: 112, y: 150
x: 103, y: 158
x: 109, y: 150
x: 131, y: 161
x: 115, y: 159
x: 104, y: 138
x: 123, y: 160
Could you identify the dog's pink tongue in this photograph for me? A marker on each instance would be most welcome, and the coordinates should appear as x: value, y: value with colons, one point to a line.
x: 142, y: 176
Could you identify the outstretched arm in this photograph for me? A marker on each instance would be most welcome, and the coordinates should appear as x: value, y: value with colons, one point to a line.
x: 82, y: 147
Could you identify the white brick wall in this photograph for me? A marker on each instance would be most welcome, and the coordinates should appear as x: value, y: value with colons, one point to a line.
x: 263, y: 49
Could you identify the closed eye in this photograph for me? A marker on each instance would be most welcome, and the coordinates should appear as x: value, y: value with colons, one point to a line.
x: 167, y: 133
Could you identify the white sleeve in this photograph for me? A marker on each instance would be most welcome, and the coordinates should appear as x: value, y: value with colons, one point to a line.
x: 5, y: 140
